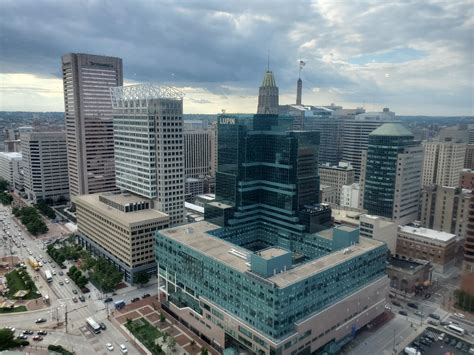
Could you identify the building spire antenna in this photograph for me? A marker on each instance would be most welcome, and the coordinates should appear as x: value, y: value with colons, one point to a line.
x: 268, y: 59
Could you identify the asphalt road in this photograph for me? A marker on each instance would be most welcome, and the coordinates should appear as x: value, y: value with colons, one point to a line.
x: 77, y: 336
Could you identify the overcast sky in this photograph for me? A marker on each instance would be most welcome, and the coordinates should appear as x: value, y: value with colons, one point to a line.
x: 415, y: 57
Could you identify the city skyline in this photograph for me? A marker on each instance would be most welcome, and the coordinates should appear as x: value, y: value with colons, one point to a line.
x: 423, y: 69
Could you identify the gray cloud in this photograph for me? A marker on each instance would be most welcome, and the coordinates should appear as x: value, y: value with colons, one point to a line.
x: 222, y: 45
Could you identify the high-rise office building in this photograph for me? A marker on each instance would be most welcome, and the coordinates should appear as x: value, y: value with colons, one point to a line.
x: 391, y: 174
x: 44, y: 165
x: 148, y: 133
x: 9, y: 162
x: 445, y: 208
x: 469, y: 160
x: 197, y: 153
x: 212, y: 129
x: 268, y: 95
x: 88, y: 112
x: 443, y: 162
x: 355, y: 135
x: 264, y: 273
x: 467, y: 283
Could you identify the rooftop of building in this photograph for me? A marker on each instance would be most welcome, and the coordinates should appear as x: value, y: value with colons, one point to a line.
x: 347, y: 215
x: 373, y: 218
x: 392, y: 130
x: 272, y: 252
x: 406, y: 264
x: 197, y: 237
x: 428, y: 233
x: 11, y: 155
x: 193, y: 207
x: 124, y: 218
x: 268, y: 79
x: 208, y: 197
x: 344, y: 166
x: 124, y: 198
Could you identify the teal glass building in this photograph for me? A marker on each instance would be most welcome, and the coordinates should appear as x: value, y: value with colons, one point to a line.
x: 266, y: 273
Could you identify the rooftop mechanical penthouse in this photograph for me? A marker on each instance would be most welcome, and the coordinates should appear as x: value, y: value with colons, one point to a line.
x: 266, y: 273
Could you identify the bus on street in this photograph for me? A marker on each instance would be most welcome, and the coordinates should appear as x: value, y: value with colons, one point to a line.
x: 92, y: 325
x: 456, y: 329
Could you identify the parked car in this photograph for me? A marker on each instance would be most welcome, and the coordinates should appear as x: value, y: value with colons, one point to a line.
x: 418, y: 313
x: 146, y: 295
x: 74, y: 291
x: 108, y: 299
x: 61, y: 273
x: 459, y: 315
x: 66, y: 281
x: 434, y: 316
x: 395, y: 303
x: 123, y: 348
x: 403, y: 313
x: 135, y: 299
x: 40, y: 320
x: 28, y: 332
x: 42, y: 332
x: 61, y: 283
x: 81, y: 298
x: 37, y: 338
x: 74, y: 299
x: 412, y: 305
x: 109, y: 347
x: 22, y: 336
x: 102, y: 326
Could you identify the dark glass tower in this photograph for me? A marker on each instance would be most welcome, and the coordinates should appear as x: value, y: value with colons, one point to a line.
x: 392, y: 173
x: 266, y: 171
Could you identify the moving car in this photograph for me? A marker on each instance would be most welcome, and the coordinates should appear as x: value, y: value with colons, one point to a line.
x: 102, y: 326
x: 108, y: 299
x: 40, y: 320
x: 459, y: 315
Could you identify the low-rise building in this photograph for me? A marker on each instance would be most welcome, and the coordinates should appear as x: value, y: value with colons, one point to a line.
x: 409, y: 276
x: 441, y: 248
x: 466, y: 179
x: 379, y: 228
x: 350, y: 195
x: 121, y: 228
x: 193, y: 187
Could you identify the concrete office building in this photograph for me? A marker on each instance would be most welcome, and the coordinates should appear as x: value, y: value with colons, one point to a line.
x: 262, y: 274
x: 355, y: 135
x: 443, y: 162
x: 440, y: 248
x: 9, y: 163
x: 408, y: 277
x: 466, y: 179
x: 379, y: 228
x: 120, y: 227
x: 350, y: 195
x: 89, y: 128
x: 197, y: 153
x: 148, y: 135
x: 44, y: 165
x: 467, y: 283
x: 469, y: 160
x: 212, y: 129
x: 328, y: 194
x: 391, y: 174
x: 337, y: 176
x: 193, y: 188
x: 445, y: 208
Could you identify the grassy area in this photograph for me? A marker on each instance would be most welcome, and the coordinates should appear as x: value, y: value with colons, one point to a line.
x: 13, y: 310
x: 17, y: 282
x: 146, y: 334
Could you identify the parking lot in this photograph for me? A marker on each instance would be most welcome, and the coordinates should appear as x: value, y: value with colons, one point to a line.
x: 436, y: 342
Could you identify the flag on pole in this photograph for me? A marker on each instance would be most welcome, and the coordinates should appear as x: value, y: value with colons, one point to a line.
x: 302, y: 64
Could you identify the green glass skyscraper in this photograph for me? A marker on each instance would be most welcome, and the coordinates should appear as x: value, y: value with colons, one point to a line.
x: 392, y: 168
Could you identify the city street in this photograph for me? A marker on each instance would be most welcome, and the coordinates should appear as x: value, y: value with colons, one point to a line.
x: 78, y: 337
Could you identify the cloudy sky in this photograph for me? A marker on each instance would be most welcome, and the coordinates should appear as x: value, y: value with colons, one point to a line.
x: 415, y: 57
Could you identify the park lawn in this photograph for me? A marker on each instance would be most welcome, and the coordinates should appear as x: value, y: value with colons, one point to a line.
x: 146, y: 334
x: 16, y: 283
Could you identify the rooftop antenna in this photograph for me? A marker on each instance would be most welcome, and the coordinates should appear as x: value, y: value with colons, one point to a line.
x: 268, y: 59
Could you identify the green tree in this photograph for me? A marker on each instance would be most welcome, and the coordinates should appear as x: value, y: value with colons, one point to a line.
x: 142, y: 278
x: 73, y: 269
x: 82, y: 281
x: 7, y: 339
x: 204, y: 351
x: 171, y: 343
